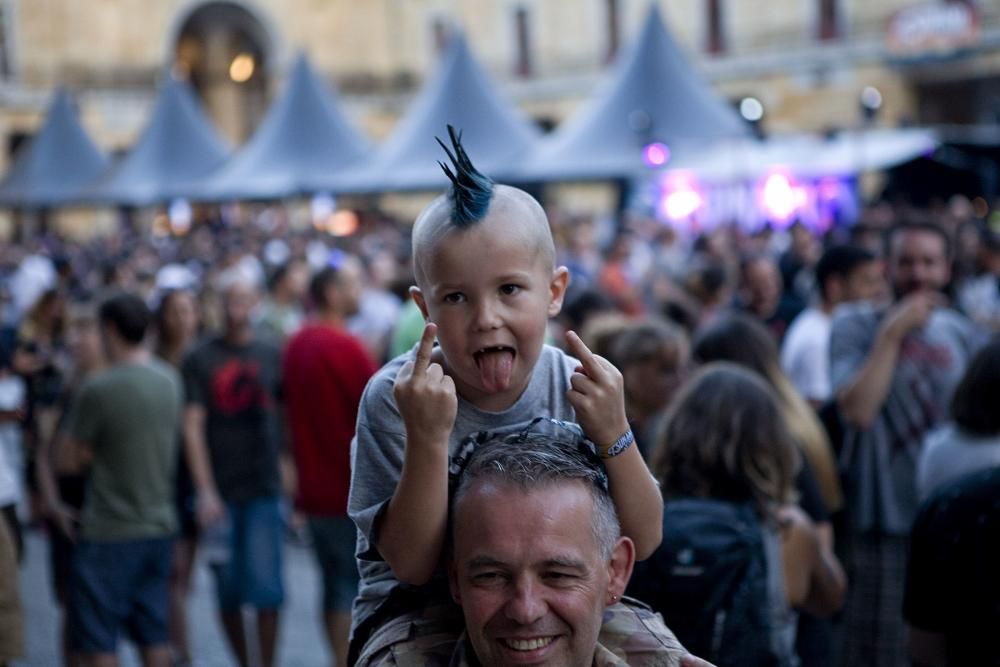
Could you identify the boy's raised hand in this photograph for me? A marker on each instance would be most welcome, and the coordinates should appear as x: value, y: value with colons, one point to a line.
x: 597, y: 394
x: 426, y: 396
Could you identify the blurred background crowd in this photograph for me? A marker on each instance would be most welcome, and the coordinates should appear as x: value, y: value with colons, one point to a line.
x: 734, y: 195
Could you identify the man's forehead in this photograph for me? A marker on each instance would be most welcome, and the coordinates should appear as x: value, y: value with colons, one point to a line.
x: 906, y: 240
x: 498, y: 502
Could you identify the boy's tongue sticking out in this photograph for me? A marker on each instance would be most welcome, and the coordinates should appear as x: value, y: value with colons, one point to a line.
x: 496, y: 365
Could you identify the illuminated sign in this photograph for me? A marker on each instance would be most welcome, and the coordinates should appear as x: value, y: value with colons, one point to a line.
x: 932, y: 28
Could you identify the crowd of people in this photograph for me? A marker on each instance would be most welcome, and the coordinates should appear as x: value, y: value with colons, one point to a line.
x: 788, y: 438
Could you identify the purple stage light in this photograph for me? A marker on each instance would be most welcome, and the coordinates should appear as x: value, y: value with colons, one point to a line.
x: 655, y: 154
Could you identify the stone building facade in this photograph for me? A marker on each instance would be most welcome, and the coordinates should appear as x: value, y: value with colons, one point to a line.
x: 806, y: 61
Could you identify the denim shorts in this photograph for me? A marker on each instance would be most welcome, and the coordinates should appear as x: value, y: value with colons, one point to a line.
x: 115, y: 585
x: 334, y: 539
x: 252, y: 574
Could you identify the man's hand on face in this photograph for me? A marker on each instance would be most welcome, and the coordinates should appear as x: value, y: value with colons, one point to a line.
x: 912, y: 313
x: 426, y: 396
x: 597, y: 394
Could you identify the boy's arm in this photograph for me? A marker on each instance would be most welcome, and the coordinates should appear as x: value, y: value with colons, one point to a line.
x: 598, y: 398
x: 411, y: 533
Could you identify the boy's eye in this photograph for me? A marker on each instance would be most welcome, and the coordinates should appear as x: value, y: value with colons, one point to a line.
x: 510, y: 289
x: 454, y: 297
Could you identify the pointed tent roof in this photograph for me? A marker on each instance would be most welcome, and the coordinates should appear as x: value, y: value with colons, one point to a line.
x: 461, y: 94
x: 654, y: 95
x: 176, y: 151
x: 58, y: 162
x: 299, y: 148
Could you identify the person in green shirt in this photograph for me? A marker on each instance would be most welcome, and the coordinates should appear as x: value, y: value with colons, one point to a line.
x: 124, y: 425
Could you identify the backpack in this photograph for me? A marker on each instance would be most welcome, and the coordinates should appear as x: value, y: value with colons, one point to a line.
x: 708, y: 579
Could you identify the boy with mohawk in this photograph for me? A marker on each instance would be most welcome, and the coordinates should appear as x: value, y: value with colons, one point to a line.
x: 487, y: 283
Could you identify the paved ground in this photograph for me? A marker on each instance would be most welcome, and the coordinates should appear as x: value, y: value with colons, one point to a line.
x: 301, y: 642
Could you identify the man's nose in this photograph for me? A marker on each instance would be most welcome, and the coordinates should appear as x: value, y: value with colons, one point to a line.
x: 526, y: 604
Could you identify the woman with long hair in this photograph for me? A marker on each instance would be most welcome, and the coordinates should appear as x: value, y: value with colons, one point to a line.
x: 745, y: 341
x: 176, y: 324
x: 737, y: 555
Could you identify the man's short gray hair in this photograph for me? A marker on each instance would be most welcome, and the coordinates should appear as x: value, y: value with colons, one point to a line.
x: 534, y: 460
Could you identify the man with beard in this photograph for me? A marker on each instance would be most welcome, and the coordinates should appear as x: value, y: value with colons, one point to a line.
x: 893, y: 370
x: 325, y: 371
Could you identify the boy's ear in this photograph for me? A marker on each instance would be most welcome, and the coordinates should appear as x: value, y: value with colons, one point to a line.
x: 418, y: 298
x: 557, y: 290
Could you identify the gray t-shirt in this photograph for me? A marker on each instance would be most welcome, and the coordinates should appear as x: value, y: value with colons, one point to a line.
x: 129, y: 415
x: 950, y: 453
x: 879, y: 464
x: 377, y: 459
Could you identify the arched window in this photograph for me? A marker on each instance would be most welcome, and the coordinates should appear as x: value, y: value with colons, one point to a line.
x: 224, y: 53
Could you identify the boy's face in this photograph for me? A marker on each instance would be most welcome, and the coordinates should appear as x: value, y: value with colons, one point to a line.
x: 490, y: 290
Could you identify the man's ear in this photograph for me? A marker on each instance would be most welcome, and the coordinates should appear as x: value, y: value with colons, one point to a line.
x: 557, y: 290
x: 456, y: 594
x: 418, y: 298
x: 834, y: 289
x: 620, y: 568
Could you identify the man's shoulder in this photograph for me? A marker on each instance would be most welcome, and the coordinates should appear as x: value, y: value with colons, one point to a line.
x: 323, y: 335
x: 858, y: 311
x: 965, y: 504
x: 119, y: 380
x: 952, y: 320
x: 805, y: 326
x: 205, y: 348
x: 263, y: 347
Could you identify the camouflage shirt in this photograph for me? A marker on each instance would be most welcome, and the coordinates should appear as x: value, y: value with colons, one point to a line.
x: 461, y: 657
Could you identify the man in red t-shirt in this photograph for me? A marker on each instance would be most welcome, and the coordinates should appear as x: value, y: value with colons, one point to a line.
x: 325, y: 370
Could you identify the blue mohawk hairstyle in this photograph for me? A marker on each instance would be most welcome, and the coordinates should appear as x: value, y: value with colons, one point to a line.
x: 471, y: 190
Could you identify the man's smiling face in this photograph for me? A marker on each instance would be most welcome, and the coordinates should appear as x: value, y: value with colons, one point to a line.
x: 529, y: 574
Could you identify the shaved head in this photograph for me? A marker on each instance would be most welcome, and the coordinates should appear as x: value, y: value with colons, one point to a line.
x: 511, y: 212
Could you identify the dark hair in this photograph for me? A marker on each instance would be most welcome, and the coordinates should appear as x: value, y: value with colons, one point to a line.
x: 319, y: 283
x: 741, y: 339
x: 128, y: 314
x: 745, y: 341
x: 277, y: 276
x: 160, y: 314
x: 471, y: 191
x: 751, y: 258
x: 583, y: 303
x: 725, y: 438
x: 642, y: 341
x: 916, y: 225
x: 974, y: 405
x: 840, y: 261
